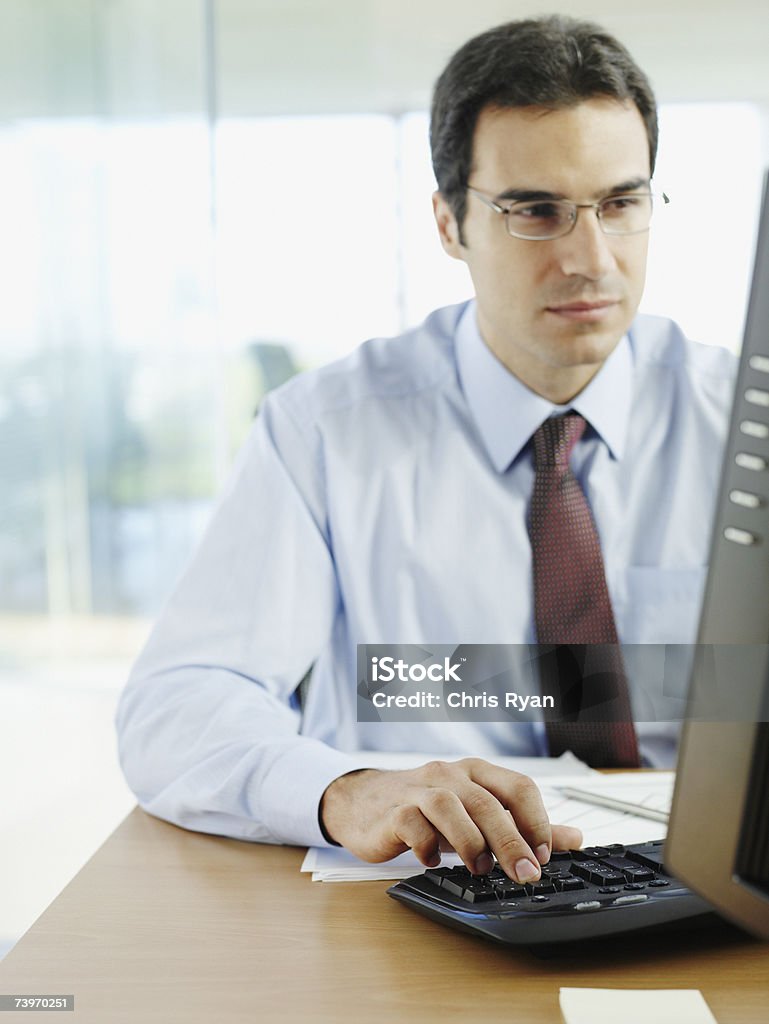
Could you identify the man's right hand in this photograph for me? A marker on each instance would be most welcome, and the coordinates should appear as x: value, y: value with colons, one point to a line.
x: 470, y: 806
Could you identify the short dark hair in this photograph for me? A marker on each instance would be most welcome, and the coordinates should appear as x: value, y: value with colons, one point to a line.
x: 552, y: 62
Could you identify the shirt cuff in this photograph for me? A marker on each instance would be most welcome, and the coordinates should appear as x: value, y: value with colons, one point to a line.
x: 291, y: 792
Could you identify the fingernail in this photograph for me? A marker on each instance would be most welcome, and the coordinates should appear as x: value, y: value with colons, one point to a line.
x: 543, y: 853
x: 526, y: 871
x: 483, y: 864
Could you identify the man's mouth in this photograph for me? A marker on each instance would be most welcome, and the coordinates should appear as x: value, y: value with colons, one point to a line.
x: 589, y: 312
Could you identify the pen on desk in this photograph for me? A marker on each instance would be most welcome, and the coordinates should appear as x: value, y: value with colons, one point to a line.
x: 616, y: 805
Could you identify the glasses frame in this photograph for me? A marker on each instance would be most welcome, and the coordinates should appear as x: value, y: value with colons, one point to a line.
x: 575, y: 208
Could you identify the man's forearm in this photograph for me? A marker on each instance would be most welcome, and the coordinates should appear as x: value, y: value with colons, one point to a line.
x: 214, y: 753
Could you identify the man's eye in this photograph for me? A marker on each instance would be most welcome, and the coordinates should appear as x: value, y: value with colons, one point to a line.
x: 621, y: 204
x: 537, y: 211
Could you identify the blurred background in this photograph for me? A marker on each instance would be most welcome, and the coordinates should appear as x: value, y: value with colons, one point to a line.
x: 197, y: 199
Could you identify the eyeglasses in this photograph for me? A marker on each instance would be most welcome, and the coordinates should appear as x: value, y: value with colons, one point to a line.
x: 540, y: 220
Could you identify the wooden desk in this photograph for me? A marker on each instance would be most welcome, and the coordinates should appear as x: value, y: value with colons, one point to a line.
x: 164, y: 925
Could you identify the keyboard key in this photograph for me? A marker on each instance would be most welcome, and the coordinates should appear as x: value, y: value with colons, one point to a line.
x: 569, y: 884
x: 479, y: 891
x: 620, y: 863
x: 508, y: 890
x: 641, y: 875
x: 613, y: 878
x: 540, y: 888
x: 583, y: 868
x: 596, y: 852
x: 453, y: 886
x: 436, y: 875
x: 631, y: 869
x: 650, y: 858
x: 503, y: 882
x: 597, y: 873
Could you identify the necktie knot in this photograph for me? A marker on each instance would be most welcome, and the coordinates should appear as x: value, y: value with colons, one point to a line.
x: 554, y: 441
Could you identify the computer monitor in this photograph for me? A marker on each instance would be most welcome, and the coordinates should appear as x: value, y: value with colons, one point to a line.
x: 718, y: 841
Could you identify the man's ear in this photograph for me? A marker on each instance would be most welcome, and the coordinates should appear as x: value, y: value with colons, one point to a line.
x: 448, y: 229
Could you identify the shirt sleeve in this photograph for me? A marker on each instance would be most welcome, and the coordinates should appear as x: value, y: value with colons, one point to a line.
x: 208, y: 736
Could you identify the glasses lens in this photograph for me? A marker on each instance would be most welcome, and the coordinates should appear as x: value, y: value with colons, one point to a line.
x: 626, y: 215
x: 546, y: 218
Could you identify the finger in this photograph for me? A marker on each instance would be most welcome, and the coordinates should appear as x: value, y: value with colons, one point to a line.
x: 502, y: 834
x: 416, y: 833
x: 485, y: 815
x: 566, y: 837
x: 521, y: 796
x: 445, y: 811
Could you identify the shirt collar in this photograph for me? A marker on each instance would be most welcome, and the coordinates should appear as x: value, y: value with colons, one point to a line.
x: 507, y: 413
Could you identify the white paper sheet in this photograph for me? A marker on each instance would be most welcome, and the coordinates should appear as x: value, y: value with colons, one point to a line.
x: 652, y: 790
x: 634, y: 1006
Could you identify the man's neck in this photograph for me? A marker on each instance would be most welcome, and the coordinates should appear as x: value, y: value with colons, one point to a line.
x: 558, y: 384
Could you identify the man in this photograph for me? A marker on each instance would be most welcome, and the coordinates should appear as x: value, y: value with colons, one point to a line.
x: 393, y: 497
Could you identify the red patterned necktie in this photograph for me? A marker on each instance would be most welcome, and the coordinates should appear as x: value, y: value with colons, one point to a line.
x: 584, y: 671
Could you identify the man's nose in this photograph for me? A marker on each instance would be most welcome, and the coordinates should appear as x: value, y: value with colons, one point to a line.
x: 586, y: 251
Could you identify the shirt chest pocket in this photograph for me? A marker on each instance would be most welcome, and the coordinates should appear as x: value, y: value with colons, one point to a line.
x: 659, y: 606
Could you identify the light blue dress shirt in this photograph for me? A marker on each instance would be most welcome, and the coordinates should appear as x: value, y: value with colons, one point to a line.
x: 383, y: 499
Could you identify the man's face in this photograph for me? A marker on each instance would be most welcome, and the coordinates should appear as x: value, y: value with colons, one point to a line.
x: 552, y: 311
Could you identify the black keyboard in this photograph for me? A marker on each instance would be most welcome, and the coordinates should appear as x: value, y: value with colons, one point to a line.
x: 582, y: 894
